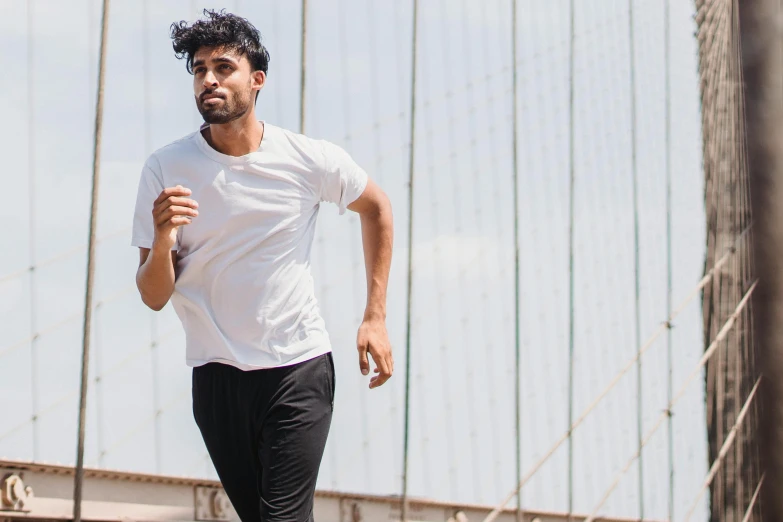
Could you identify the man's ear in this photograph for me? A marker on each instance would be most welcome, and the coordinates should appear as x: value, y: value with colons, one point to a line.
x: 258, y: 79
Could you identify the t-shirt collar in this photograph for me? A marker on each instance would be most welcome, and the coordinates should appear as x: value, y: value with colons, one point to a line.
x: 226, y: 159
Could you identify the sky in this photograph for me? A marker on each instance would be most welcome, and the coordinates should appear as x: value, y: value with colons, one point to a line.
x: 462, y: 350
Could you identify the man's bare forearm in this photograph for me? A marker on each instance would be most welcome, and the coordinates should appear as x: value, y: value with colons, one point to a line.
x: 377, y: 238
x: 155, y: 277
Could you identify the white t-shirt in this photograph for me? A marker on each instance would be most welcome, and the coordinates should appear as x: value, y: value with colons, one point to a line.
x: 244, y: 291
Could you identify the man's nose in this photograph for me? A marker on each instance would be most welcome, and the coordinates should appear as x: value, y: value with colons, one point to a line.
x: 209, y: 80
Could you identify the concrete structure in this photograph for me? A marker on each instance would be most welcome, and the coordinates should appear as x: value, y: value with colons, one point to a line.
x: 43, y: 492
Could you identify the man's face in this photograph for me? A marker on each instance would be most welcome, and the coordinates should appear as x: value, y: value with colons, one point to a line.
x: 223, y: 84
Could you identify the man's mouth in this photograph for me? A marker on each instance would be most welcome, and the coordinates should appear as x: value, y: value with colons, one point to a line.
x: 212, y: 96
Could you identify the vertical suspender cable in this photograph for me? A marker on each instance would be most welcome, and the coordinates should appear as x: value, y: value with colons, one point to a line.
x: 411, y: 166
x: 99, y: 397
x: 571, y: 167
x: 637, y: 318
x: 99, y: 418
x: 515, y: 177
x: 153, y: 315
x: 303, y: 64
x: 79, y: 477
x: 31, y: 223
x: 669, y: 382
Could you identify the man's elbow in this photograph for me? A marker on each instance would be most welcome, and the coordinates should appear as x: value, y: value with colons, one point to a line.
x: 385, y: 204
x: 153, y: 302
x: 157, y: 307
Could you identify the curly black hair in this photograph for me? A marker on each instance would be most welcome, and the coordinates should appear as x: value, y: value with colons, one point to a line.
x: 220, y: 29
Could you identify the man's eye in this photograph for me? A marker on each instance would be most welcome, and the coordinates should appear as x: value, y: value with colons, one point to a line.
x: 225, y: 67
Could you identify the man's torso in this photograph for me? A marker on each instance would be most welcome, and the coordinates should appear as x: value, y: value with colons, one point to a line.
x: 244, y: 290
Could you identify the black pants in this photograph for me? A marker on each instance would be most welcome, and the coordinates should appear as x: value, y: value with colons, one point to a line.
x: 265, y: 431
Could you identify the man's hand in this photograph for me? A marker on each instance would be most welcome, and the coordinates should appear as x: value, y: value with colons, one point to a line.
x: 171, y: 210
x: 374, y: 339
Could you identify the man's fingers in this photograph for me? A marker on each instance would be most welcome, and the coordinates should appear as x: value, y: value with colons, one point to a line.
x: 179, y: 190
x: 182, y: 202
x: 378, y: 380
x: 381, y: 363
x: 384, y: 370
x: 180, y: 220
x: 173, y: 211
x: 176, y: 210
x: 364, y: 364
x: 166, y: 204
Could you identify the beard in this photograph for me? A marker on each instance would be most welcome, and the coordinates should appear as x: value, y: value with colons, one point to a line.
x: 234, y: 106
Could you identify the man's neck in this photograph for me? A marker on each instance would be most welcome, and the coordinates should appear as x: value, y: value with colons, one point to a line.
x: 235, y: 138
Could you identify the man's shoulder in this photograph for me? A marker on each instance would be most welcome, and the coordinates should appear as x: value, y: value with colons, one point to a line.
x: 173, y: 151
x: 184, y: 145
x: 286, y: 136
x: 318, y: 146
x: 321, y: 151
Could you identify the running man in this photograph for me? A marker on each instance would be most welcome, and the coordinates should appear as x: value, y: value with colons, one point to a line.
x: 224, y: 222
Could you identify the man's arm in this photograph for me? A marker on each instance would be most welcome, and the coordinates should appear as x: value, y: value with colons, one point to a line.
x: 155, y: 276
x: 375, y: 211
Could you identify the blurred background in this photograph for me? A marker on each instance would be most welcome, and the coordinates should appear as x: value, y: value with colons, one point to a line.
x: 619, y: 214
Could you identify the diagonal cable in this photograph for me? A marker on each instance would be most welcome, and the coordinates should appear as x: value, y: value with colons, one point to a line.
x: 723, y: 451
x: 665, y: 326
x: 707, y: 355
x: 752, y: 503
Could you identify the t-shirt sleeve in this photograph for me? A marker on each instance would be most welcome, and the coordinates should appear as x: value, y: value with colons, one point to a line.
x: 150, y: 187
x: 343, y: 181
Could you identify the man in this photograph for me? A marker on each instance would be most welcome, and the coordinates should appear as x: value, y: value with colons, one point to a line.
x: 224, y: 221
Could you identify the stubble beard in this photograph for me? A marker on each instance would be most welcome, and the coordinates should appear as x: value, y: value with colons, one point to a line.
x: 234, y: 107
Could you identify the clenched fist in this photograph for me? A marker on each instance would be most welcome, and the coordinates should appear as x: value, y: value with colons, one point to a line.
x: 172, y: 209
